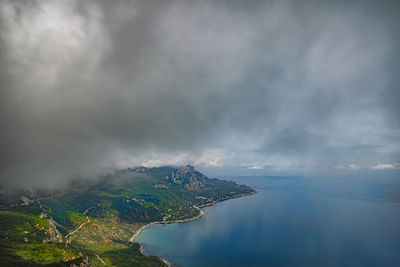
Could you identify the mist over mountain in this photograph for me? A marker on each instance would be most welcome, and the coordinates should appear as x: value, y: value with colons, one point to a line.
x: 273, y: 86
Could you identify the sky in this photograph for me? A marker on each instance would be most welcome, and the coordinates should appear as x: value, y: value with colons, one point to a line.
x: 233, y: 87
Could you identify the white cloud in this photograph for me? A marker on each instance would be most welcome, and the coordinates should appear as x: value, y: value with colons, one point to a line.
x: 256, y: 167
x: 207, y: 158
x: 352, y: 166
x: 386, y: 166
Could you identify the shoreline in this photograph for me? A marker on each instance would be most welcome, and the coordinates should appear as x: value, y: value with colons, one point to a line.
x: 166, y: 262
x: 202, y: 213
x: 138, y: 231
x: 227, y: 198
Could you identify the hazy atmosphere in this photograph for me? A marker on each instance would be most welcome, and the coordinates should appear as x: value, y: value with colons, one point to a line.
x: 268, y: 86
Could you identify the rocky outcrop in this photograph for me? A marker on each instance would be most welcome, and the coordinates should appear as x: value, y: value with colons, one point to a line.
x: 187, y: 176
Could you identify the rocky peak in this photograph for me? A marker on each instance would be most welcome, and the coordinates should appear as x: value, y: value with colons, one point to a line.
x: 187, y: 176
x: 188, y: 168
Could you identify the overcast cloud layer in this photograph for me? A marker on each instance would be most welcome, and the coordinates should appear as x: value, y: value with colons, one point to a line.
x: 272, y: 85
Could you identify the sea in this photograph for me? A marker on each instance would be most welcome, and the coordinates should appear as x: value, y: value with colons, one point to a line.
x: 290, y: 221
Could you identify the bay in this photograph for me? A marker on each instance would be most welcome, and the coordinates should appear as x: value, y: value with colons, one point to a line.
x: 291, y: 221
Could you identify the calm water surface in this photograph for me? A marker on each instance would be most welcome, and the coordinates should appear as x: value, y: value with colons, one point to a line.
x: 291, y: 221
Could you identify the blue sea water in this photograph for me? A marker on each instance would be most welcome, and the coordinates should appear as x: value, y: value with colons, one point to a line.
x: 291, y: 221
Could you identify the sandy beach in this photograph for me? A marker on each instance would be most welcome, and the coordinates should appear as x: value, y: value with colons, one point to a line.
x: 140, y: 229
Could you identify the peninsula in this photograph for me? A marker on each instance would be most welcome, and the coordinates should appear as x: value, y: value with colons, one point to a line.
x: 94, y: 222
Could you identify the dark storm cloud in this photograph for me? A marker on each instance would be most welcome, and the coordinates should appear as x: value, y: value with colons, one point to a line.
x: 92, y: 84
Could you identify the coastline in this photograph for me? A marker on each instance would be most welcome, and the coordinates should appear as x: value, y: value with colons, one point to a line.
x: 201, y: 213
x: 227, y: 198
x: 166, y: 262
x: 138, y: 231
